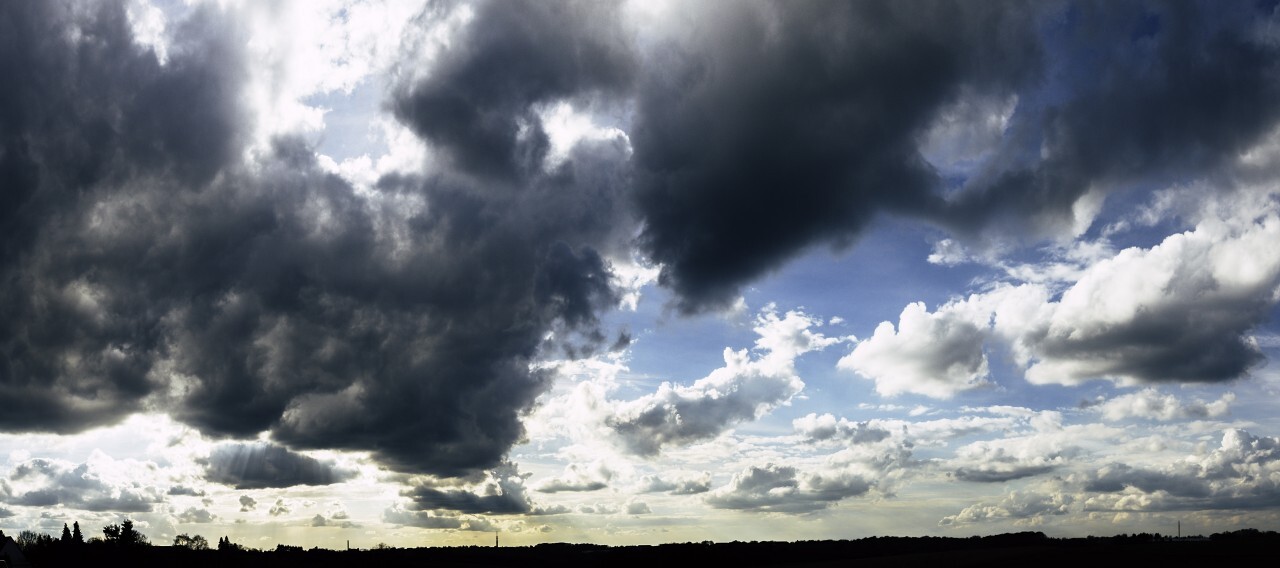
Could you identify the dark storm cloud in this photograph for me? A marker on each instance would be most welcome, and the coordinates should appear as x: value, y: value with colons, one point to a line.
x: 770, y: 127
x: 431, y: 352
x: 468, y: 502
x: 85, y: 108
x: 141, y: 262
x: 763, y: 129
x: 477, y: 105
x: 1182, y: 88
x: 261, y: 465
x: 501, y: 491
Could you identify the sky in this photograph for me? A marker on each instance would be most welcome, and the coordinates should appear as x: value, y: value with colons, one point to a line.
x: 415, y: 273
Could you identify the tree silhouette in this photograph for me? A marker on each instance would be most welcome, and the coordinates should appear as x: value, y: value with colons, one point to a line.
x: 124, y: 534
x: 27, y: 539
x: 190, y: 542
x: 76, y: 536
x: 66, y: 534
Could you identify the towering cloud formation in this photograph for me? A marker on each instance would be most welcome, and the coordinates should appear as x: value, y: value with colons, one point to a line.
x: 146, y: 263
x: 88, y: 113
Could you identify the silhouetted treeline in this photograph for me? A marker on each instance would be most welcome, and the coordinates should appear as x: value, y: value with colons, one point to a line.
x: 1025, y: 547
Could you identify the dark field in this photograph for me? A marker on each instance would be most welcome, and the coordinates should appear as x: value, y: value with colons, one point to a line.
x: 1020, y: 549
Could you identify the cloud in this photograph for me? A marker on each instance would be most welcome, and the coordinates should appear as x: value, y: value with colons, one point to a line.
x: 1106, y: 127
x: 1029, y: 507
x: 248, y: 503
x: 195, y: 515
x: 939, y: 432
x: 999, y: 466
x: 1237, y: 475
x: 280, y: 507
x: 100, y: 484
x: 635, y: 507
x: 1179, y: 311
x: 1151, y: 405
x: 261, y: 465
x: 1031, y: 131
x: 750, y: 151
x: 500, y: 491
x: 1240, y: 474
x: 578, y: 477
x: 6, y: 513
x: 155, y: 255
x: 598, y: 509
x: 397, y: 515
x: 187, y: 491
x: 248, y: 292
x: 320, y: 520
x: 481, y: 115
x: 744, y: 389
x: 90, y: 108
x: 937, y: 355
x: 1050, y: 447
x: 680, y: 485
x: 827, y: 428
x: 783, y: 489
x: 1116, y: 477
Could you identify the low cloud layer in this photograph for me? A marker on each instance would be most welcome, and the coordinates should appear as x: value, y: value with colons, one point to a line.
x: 1019, y: 506
x: 578, y: 477
x: 677, y: 485
x: 1150, y: 404
x: 498, y: 491
x: 784, y: 489
x: 100, y: 484
x: 744, y: 389
x: 1238, y: 474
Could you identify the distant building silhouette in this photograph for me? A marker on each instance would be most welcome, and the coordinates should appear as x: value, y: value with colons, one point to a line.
x: 11, y: 556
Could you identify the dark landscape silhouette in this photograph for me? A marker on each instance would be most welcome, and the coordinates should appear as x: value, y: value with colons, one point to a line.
x: 123, y: 545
